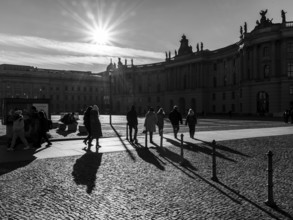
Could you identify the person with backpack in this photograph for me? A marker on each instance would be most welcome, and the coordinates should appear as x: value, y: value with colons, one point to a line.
x: 18, y: 131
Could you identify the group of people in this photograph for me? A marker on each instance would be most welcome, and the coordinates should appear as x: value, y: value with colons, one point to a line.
x: 93, y: 126
x: 29, y: 127
x: 153, y: 119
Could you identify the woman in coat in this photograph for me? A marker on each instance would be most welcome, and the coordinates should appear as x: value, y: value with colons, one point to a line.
x: 191, y: 121
x: 150, y: 122
x: 160, y: 116
x: 95, y: 124
x: 87, y: 123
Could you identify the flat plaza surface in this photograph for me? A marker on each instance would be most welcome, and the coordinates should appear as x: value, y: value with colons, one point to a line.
x: 127, y: 181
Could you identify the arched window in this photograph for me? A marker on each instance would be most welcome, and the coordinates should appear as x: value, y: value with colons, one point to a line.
x: 266, y: 71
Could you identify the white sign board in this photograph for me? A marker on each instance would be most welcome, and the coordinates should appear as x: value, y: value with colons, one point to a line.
x: 42, y: 106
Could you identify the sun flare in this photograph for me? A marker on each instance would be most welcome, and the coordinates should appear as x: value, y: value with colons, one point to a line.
x: 100, y: 36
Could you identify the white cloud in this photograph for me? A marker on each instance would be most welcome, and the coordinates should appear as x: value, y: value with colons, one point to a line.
x: 40, y: 50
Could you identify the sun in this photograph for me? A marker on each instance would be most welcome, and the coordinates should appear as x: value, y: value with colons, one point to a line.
x: 100, y: 36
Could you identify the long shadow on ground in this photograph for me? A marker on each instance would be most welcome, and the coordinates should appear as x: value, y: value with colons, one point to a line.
x: 196, y: 148
x: 10, y: 166
x: 145, y: 154
x: 276, y: 208
x: 85, y: 170
x: 124, y: 145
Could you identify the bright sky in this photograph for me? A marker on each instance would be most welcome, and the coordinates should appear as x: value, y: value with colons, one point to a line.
x: 85, y: 34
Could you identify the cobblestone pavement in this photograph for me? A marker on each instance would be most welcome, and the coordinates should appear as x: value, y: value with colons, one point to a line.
x: 150, y: 183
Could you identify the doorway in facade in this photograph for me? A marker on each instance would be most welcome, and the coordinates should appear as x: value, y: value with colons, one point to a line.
x: 262, y: 102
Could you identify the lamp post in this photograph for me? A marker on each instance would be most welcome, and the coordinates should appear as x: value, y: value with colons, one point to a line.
x: 110, y: 98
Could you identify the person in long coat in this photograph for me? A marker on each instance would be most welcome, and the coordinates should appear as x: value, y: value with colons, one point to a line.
x: 150, y: 122
x: 175, y: 117
x: 96, y: 129
x: 87, y: 123
x: 160, y: 116
x: 191, y: 121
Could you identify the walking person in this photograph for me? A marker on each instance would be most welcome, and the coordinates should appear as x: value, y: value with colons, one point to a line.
x: 175, y: 117
x: 44, y: 128
x: 132, y: 123
x: 95, y: 124
x: 35, y: 125
x: 87, y: 123
x: 161, y: 116
x: 191, y: 121
x: 150, y: 122
x: 18, y: 131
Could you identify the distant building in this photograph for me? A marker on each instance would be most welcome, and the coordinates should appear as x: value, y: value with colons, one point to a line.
x: 252, y: 76
x: 67, y: 90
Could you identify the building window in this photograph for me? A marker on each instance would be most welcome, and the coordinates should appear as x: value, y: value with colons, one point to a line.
x: 224, y: 108
x: 224, y: 96
x: 291, y: 90
x: 240, y: 106
x: 265, y: 52
x: 290, y: 49
x: 215, y: 82
x: 225, y: 80
x: 139, y: 88
x: 233, y: 108
x: 214, y: 96
x: 290, y: 69
x: 234, y: 78
x: 214, y: 108
x: 215, y: 67
x: 266, y: 70
x: 149, y: 99
x: 233, y: 95
x: 158, y: 99
x: 66, y: 88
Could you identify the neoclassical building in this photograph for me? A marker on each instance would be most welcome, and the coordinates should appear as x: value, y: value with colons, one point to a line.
x: 68, y: 91
x: 252, y: 76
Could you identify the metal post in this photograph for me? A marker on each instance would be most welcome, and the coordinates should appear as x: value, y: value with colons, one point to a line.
x: 270, y: 200
x: 110, y: 79
x: 214, y: 178
x: 146, y: 138
x: 126, y: 131
x: 161, y: 141
x: 181, y: 151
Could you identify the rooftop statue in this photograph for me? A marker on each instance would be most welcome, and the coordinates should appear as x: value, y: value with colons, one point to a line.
x: 283, y: 14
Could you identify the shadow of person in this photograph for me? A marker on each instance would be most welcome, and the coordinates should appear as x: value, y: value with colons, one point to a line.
x: 85, y: 170
x: 145, y: 154
x: 64, y: 133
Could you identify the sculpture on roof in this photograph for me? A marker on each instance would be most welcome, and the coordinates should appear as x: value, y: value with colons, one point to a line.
x: 283, y: 14
x: 264, y: 21
x: 184, y: 48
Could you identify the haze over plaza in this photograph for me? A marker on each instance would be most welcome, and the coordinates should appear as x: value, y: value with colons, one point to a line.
x: 85, y: 35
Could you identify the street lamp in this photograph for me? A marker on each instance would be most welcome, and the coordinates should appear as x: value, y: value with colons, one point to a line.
x: 110, y: 98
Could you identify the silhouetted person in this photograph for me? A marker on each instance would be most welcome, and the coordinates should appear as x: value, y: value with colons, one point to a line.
x: 96, y: 129
x: 150, y: 122
x: 191, y: 121
x: 35, y: 125
x: 18, y: 130
x: 87, y: 123
x: 132, y: 123
x: 175, y: 117
x: 44, y: 128
x: 160, y: 116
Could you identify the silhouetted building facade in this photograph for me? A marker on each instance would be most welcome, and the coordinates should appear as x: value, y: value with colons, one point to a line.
x: 67, y: 90
x: 252, y: 76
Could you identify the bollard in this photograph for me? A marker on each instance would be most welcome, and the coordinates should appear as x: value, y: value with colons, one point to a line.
x: 146, y: 138
x: 161, y: 140
x: 182, y: 153
x: 270, y: 200
x: 214, y: 178
x: 127, y: 131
